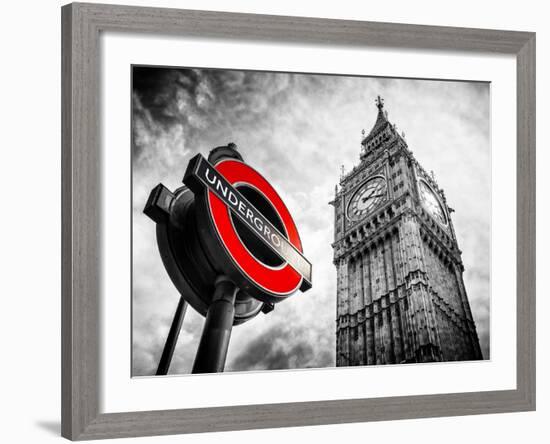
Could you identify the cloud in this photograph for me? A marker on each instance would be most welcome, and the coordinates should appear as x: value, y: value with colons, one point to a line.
x: 297, y: 130
x: 278, y: 349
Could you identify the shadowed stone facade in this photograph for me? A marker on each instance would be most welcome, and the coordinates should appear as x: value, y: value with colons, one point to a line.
x: 400, y: 291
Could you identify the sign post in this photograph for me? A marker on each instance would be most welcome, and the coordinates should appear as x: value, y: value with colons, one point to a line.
x: 212, y: 351
x: 172, y: 339
x: 230, y: 246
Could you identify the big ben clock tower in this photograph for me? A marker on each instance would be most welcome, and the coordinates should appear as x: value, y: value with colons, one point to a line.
x: 400, y: 291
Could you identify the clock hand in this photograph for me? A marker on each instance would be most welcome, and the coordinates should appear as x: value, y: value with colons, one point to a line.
x: 371, y: 196
x: 367, y: 197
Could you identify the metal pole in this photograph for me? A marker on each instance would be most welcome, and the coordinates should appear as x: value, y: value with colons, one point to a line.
x: 172, y: 339
x: 216, y: 332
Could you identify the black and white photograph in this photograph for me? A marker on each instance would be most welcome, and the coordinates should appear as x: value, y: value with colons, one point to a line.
x: 285, y: 221
x: 274, y: 222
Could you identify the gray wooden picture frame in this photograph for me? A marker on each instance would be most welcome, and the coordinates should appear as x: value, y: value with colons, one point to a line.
x: 81, y: 175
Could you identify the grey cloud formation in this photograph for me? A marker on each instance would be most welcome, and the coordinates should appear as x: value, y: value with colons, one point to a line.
x: 297, y: 130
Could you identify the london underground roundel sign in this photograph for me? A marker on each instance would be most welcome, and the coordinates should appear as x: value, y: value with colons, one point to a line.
x: 247, y: 229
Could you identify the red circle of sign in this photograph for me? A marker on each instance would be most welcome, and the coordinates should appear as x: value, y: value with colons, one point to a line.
x: 280, y: 281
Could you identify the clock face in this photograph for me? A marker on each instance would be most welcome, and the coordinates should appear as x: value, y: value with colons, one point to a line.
x: 367, y: 197
x: 431, y: 202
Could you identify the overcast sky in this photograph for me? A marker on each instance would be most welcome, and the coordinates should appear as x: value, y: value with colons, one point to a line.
x: 297, y: 130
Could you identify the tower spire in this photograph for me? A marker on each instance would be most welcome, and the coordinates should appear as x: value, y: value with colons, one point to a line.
x: 380, y: 124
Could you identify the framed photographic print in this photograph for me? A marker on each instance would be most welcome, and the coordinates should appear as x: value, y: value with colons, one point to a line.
x: 279, y: 221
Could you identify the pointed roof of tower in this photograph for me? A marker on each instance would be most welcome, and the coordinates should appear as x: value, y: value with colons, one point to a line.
x: 381, y: 121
